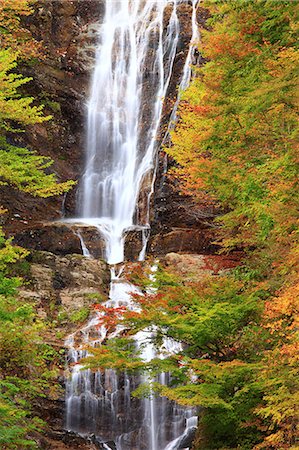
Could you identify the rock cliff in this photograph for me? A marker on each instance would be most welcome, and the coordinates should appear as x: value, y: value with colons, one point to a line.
x: 68, y: 31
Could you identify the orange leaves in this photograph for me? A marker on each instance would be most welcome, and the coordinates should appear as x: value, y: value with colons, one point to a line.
x: 282, y: 312
x: 251, y: 23
x: 202, y: 110
x: 13, y: 34
x: 110, y: 317
x: 281, y: 398
x: 229, y: 45
x: 291, y: 352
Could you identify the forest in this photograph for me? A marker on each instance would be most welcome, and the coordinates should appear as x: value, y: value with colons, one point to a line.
x: 235, y: 149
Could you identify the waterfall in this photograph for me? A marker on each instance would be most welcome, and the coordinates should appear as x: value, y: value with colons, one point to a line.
x: 138, y: 42
x: 133, y: 67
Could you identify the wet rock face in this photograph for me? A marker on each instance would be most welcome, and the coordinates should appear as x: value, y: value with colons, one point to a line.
x: 93, y: 240
x: 188, y: 439
x: 134, y: 240
x: 184, y: 13
x: 58, y: 439
x: 169, y: 207
x: 64, y: 239
x: 68, y: 31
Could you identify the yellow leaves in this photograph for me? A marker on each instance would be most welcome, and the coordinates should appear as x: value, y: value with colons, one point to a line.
x: 282, y: 312
x: 206, y: 367
x: 281, y: 371
x: 51, y: 189
x: 9, y: 253
x: 13, y: 107
x: 282, y: 408
x: 19, y: 167
x: 287, y: 59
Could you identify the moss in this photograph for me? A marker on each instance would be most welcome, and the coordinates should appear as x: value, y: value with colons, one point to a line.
x: 80, y: 315
x: 54, y: 106
x: 20, y: 268
x: 59, y: 335
x: 62, y: 316
x: 96, y: 297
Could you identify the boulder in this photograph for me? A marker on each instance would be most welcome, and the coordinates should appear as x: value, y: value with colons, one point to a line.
x: 72, y: 282
x: 185, y: 240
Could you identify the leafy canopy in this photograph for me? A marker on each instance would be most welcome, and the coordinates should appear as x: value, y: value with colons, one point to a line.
x: 236, y: 144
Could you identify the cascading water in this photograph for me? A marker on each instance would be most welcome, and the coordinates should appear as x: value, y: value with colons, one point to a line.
x: 100, y: 404
x: 133, y: 68
x: 138, y: 43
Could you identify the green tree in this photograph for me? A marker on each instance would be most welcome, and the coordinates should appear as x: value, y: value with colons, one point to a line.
x: 24, y: 374
x: 236, y: 145
x: 24, y: 356
x: 20, y: 167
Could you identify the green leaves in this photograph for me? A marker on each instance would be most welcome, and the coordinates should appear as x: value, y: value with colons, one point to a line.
x: 19, y: 167
x: 23, y: 357
x: 13, y: 106
x: 25, y: 170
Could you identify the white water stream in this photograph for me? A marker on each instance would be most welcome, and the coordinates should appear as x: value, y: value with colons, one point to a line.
x: 137, y: 45
x: 133, y: 67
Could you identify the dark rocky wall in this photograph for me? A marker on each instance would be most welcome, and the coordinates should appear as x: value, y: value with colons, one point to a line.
x: 60, y: 81
x: 178, y: 222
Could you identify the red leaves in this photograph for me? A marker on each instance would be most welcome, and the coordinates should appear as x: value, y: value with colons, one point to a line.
x: 110, y: 317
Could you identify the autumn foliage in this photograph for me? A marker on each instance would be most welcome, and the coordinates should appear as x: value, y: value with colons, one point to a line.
x: 14, y: 34
x: 236, y: 144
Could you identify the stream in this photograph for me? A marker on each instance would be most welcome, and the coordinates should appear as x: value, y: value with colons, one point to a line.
x: 137, y: 45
